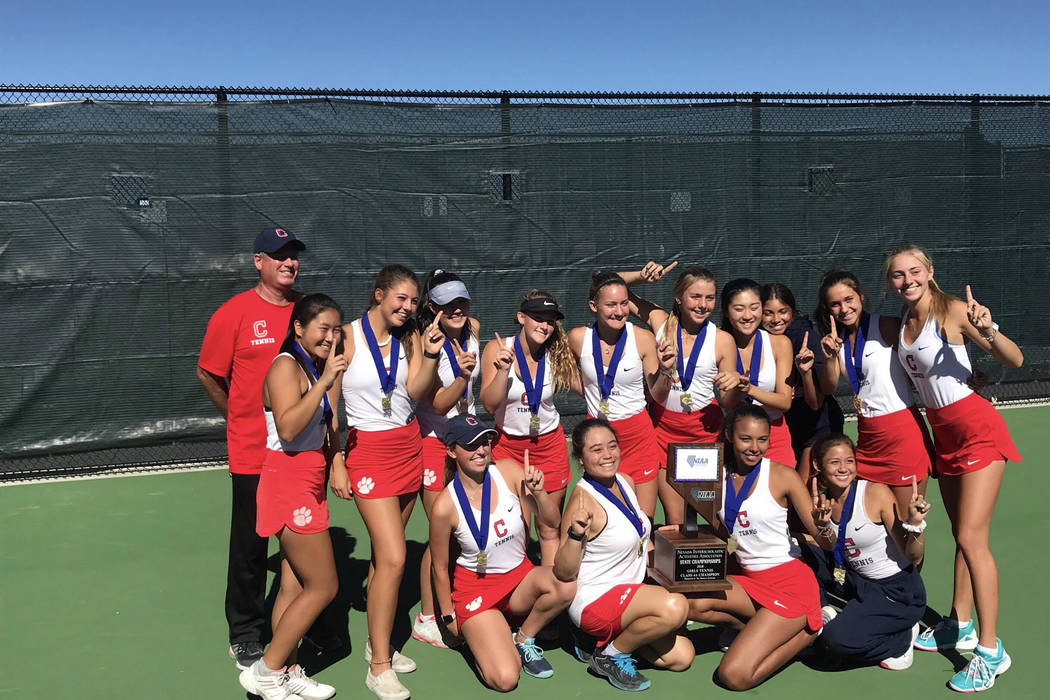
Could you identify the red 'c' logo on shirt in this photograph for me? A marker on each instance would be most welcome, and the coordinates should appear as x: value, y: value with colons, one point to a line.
x: 910, y: 361
x: 852, y: 550
x: 500, y: 528
x: 524, y: 399
x: 742, y: 519
x: 259, y: 328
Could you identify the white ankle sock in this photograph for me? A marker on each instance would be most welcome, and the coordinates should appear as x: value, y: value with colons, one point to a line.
x: 610, y: 650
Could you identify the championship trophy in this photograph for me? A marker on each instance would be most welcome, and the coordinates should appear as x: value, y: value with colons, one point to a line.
x: 689, y: 558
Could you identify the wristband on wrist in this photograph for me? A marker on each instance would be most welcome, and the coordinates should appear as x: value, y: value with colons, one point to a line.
x: 431, y: 355
x: 576, y: 537
x: 991, y: 335
x: 914, y: 529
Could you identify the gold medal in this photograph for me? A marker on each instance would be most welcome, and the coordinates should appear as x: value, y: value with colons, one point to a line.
x: 388, y: 406
x: 534, y: 423
x: 483, y: 558
x: 840, y: 575
x: 603, y: 407
x: 641, y: 546
x: 686, y: 399
x: 858, y: 403
x: 731, y: 544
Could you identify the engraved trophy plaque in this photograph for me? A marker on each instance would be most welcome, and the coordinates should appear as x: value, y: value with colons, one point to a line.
x: 689, y: 557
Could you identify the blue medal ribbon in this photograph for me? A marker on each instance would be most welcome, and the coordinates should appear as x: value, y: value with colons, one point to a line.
x: 481, y: 534
x: 756, y: 362
x: 316, y: 377
x: 625, y: 506
x: 855, y: 358
x: 687, y: 370
x: 606, y: 379
x: 734, y: 499
x: 464, y: 339
x: 387, y: 379
x: 533, y: 390
x: 847, y: 513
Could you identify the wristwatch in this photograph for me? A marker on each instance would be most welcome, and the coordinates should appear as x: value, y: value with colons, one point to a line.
x: 447, y: 620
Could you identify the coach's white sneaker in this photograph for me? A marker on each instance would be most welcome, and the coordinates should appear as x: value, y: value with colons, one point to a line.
x: 305, y: 687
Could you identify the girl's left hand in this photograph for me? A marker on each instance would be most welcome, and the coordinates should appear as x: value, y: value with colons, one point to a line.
x: 979, y: 316
x: 919, y: 506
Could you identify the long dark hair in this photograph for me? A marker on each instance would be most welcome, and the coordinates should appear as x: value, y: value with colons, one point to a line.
x: 742, y: 410
x: 385, y: 280
x: 305, y: 310
x: 829, y: 280
x: 729, y: 292
x: 780, y: 292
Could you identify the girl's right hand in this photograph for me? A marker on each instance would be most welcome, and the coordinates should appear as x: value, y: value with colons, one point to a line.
x: 339, y: 482
x: 467, y: 361
x: 821, y: 506
x: 831, y: 343
x: 505, y: 357
x: 333, y: 367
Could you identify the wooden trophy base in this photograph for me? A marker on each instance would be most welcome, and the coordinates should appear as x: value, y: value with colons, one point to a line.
x: 687, y: 563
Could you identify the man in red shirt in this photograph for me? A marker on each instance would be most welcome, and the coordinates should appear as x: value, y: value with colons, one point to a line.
x: 242, y: 339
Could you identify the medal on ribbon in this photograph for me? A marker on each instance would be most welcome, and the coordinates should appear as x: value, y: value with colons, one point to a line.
x: 756, y: 362
x: 840, y: 542
x: 387, y: 378
x: 479, y: 532
x: 316, y: 377
x: 533, y: 387
x: 686, y: 370
x: 733, y: 500
x: 463, y: 403
x: 625, y: 506
x: 854, y: 360
x: 606, y: 379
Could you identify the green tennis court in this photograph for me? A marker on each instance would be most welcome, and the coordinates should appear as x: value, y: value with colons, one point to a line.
x: 114, y: 588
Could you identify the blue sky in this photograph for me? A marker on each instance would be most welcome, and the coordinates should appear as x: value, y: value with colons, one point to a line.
x: 966, y: 46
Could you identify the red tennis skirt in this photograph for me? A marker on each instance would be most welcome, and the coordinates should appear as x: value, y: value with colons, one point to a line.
x: 780, y: 443
x: 291, y: 493
x: 548, y: 452
x: 894, y: 448
x: 969, y: 434
x: 603, y: 618
x: 789, y: 589
x: 434, y: 455
x: 703, y: 425
x: 473, y: 593
x: 384, y: 463
x: 639, y: 451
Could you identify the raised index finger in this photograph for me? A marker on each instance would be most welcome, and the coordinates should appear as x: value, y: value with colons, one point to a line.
x: 969, y: 295
x: 914, y: 487
x: 526, y: 461
x: 498, y: 339
x: 813, y: 488
x: 437, y: 319
x: 670, y: 267
x: 805, y: 340
x: 833, y: 331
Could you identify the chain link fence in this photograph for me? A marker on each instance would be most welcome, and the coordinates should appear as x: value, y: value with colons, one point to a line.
x: 127, y: 214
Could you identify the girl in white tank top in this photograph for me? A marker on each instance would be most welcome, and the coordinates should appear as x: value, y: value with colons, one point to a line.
x: 519, y: 378
x: 859, y: 347
x: 689, y: 413
x: 884, y: 592
x: 481, y: 514
x: 604, y: 544
x: 756, y: 498
x: 619, y: 363
x: 972, y: 442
